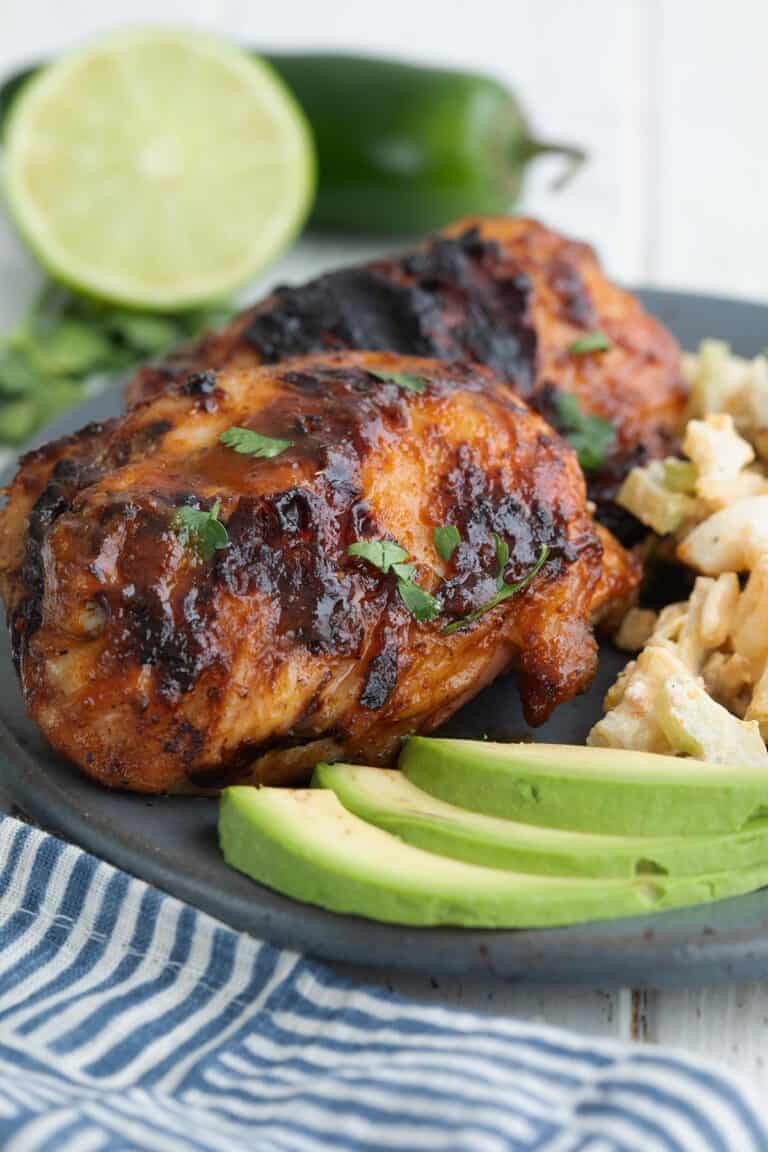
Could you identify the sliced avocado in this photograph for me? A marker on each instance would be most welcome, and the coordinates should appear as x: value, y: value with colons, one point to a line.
x: 388, y: 799
x: 601, y: 790
x: 304, y: 843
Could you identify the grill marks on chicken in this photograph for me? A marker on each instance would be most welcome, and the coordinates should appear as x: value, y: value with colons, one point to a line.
x: 506, y: 293
x: 155, y: 668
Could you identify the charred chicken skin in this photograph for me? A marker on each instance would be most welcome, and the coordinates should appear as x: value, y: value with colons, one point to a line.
x: 507, y: 293
x: 161, y: 658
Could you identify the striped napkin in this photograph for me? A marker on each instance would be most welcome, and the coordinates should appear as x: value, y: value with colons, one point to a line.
x: 129, y: 1021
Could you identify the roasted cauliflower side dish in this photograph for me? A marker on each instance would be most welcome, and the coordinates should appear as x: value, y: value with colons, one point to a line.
x: 699, y: 685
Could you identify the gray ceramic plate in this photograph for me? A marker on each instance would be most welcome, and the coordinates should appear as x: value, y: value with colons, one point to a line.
x: 172, y: 842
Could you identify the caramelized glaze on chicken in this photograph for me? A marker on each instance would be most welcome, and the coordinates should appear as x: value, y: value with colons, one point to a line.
x: 507, y: 293
x: 157, y: 667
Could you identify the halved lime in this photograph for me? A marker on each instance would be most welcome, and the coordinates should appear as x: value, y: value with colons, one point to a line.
x: 158, y: 168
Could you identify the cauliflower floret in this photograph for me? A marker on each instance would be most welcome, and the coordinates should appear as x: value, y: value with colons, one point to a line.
x: 690, y: 645
x: 718, y: 611
x: 644, y: 493
x: 631, y: 720
x: 758, y: 705
x: 635, y: 629
x: 731, y: 540
x: 711, y: 377
x: 749, y: 634
x: 695, y: 725
x: 720, y: 455
x: 728, y: 679
x: 721, y: 382
x: 670, y: 622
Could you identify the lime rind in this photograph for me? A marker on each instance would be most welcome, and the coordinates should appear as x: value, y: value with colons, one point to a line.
x: 251, y: 99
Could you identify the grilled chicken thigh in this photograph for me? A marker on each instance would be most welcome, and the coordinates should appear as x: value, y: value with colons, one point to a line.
x: 163, y: 649
x: 507, y: 293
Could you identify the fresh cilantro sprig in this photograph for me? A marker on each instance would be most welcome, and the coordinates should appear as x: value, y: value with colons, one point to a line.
x: 404, y: 380
x: 382, y: 554
x: 250, y: 443
x: 388, y: 556
x: 504, y: 590
x: 592, y: 342
x: 421, y: 605
x: 590, y: 436
x: 201, y: 530
x: 66, y: 344
x: 446, y: 539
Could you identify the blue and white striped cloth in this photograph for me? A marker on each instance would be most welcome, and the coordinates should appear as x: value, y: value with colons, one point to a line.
x: 129, y: 1021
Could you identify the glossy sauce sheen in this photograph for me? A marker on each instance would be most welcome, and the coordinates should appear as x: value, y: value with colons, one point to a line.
x: 156, y: 669
x: 506, y: 293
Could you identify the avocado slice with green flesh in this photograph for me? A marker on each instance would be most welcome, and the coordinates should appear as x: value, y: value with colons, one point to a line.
x: 598, y: 790
x: 388, y: 799
x: 305, y: 844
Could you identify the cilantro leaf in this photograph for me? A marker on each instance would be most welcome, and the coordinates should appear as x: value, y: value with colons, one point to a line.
x: 421, y: 605
x: 589, y: 436
x: 446, y: 539
x: 383, y: 554
x: 502, y: 556
x: 592, y: 342
x: 404, y: 571
x: 404, y: 380
x: 67, y: 344
x: 250, y: 443
x: 505, y: 590
x: 390, y: 557
x: 201, y: 529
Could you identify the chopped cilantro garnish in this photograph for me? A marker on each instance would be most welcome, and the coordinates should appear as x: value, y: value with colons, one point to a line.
x: 404, y: 380
x: 446, y: 539
x: 504, y: 590
x: 592, y: 342
x: 390, y: 557
x: 383, y: 554
x: 421, y: 605
x: 201, y: 529
x: 250, y: 443
x: 590, y: 436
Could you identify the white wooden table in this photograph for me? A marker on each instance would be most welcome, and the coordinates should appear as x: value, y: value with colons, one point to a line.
x: 664, y: 93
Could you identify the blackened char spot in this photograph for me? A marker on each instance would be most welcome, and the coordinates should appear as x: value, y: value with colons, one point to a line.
x: 354, y: 308
x: 139, y: 443
x: 484, y: 303
x: 382, y: 673
x: 453, y: 300
x: 67, y: 478
x: 186, y: 742
x: 482, y: 505
x: 200, y: 384
x: 576, y: 305
x: 287, y: 548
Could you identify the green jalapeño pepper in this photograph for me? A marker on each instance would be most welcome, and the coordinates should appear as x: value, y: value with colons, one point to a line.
x: 403, y: 148
x: 406, y: 149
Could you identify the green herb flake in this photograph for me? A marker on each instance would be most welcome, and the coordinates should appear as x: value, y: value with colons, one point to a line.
x: 200, y: 529
x: 505, y: 590
x: 592, y: 342
x: 390, y: 557
x: 421, y: 605
x: 383, y: 554
x: 67, y: 344
x: 680, y: 475
x: 446, y: 539
x: 590, y: 436
x: 502, y: 556
x: 404, y: 380
x: 250, y: 443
